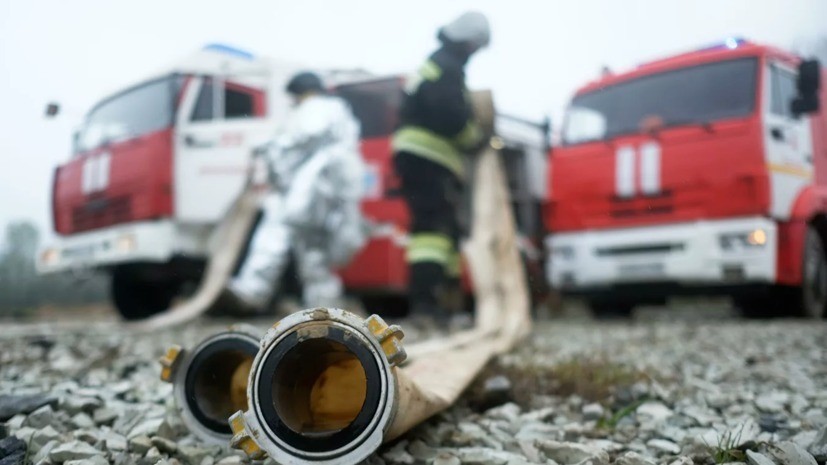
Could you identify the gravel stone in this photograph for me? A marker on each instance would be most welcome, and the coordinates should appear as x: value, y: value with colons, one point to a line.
x: 11, y: 445
x: 192, y: 455
x: 653, y: 413
x: 682, y: 461
x: 593, y: 411
x: 89, y: 436
x: 570, y: 453
x: 755, y: 458
x: 139, y: 444
x: 507, y: 412
x: 75, y: 404
x: 94, y: 460
x: 42, y: 437
x: 11, y: 405
x: 496, y: 391
x: 44, y: 451
x: 772, y: 402
x: 105, y: 416
x: 421, y: 451
x: 633, y: 458
x: 114, y: 441
x: 25, y: 434
x: 664, y: 447
x: 164, y: 445
x: 484, y: 456
x: 41, y: 418
x: 790, y: 453
x: 398, y: 454
x: 146, y: 428
x: 446, y: 458
x: 82, y: 421
x: 231, y: 460
x: 74, y: 450
x: 819, y: 445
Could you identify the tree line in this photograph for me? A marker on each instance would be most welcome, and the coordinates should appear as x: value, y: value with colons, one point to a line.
x: 22, y: 289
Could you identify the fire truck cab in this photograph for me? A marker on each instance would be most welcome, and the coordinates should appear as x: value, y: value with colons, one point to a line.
x: 156, y: 167
x: 701, y: 173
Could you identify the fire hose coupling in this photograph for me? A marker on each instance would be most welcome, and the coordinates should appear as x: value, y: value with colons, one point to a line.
x: 321, y: 389
x: 210, y: 381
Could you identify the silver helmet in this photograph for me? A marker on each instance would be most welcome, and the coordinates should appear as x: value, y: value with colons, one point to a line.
x: 471, y: 28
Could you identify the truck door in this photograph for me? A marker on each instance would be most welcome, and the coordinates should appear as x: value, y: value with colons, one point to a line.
x: 217, y: 126
x: 788, y: 141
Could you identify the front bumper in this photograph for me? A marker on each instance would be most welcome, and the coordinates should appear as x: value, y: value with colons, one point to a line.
x: 134, y: 242
x: 688, y: 254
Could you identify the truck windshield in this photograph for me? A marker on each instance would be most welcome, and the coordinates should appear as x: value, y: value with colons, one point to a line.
x: 135, y: 112
x: 696, y: 95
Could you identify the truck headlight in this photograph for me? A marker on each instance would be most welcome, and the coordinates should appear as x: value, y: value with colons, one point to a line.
x: 562, y: 252
x: 50, y: 257
x: 126, y: 243
x: 756, y: 238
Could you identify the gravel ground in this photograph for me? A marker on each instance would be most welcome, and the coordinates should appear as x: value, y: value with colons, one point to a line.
x: 670, y: 391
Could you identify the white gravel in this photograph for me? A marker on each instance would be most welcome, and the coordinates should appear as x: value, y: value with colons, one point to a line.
x: 722, y: 389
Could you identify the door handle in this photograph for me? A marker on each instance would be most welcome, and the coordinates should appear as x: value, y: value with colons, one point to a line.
x: 777, y: 133
x: 192, y: 141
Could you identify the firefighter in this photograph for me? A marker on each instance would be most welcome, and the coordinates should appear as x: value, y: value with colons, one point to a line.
x: 437, y: 126
x: 313, y: 210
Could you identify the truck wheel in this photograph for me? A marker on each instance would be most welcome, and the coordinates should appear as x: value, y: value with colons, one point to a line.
x: 136, y: 298
x: 611, y: 309
x: 812, y: 295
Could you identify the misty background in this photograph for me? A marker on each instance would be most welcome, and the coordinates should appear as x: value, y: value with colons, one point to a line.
x: 78, y: 52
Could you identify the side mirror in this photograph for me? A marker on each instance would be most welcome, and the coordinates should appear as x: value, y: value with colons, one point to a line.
x: 75, y: 142
x: 52, y: 109
x: 809, y: 83
x: 547, y: 135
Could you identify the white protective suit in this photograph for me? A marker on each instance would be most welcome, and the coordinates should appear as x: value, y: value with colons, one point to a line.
x: 313, y: 210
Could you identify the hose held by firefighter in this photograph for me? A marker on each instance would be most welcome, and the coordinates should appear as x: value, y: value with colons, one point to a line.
x: 437, y: 127
x: 313, y: 210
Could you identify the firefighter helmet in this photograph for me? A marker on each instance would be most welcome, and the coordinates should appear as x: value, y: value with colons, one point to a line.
x: 305, y: 82
x: 470, y: 28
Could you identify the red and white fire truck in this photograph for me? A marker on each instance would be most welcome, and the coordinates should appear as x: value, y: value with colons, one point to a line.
x: 704, y: 172
x: 156, y: 167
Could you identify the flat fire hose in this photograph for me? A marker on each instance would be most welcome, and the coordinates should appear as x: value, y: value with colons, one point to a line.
x: 227, y: 243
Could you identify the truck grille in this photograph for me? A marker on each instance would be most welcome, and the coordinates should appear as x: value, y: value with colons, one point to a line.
x: 640, y: 249
x: 101, y: 212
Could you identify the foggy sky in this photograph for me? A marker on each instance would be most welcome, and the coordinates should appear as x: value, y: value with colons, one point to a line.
x: 77, y: 52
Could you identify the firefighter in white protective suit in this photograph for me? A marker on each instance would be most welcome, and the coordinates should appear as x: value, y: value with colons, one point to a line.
x: 313, y: 211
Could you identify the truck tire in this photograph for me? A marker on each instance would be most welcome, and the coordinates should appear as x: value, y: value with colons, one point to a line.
x: 808, y: 300
x: 137, y: 298
x: 811, y: 298
x: 611, y: 309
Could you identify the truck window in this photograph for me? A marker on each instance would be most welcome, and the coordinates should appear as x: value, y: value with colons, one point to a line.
x: 783, y: 92
x: 692, y: 95
x: 375, y: 104
x: 237, y: 103
x: 137, y: 111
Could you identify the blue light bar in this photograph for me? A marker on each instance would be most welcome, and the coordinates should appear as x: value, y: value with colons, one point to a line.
x: 730, y: 43
x: 221, y: 48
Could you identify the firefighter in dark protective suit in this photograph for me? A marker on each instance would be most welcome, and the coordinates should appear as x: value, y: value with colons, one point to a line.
x: 437, y: 126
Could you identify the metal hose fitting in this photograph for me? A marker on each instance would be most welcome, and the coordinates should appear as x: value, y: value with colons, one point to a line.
x: 322, y: 389
x: 210, y: 381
